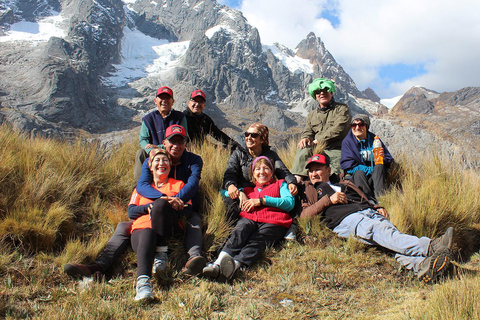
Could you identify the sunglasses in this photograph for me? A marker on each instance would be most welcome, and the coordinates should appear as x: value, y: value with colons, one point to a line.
x: 324, y: 90
x: 251, y: 134
x: 361, y: 125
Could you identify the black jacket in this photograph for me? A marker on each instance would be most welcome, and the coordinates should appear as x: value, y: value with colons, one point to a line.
x: 238, y: 166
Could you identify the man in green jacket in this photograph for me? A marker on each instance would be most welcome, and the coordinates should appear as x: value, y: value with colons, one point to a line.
x: 325, y: 126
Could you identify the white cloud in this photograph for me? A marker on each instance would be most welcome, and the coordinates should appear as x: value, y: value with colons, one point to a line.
x: 441, y: 35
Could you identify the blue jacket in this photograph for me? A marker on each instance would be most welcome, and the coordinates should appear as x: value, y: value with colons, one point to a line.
x: 351, y: 159
x: 157, y: 125
x: 189, y: 170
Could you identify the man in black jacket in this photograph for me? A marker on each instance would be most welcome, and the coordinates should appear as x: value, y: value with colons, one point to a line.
x: 199, y: 124
x: 348, y: 211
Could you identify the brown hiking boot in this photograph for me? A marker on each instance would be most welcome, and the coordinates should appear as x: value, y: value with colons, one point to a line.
x: 434, y: 265
x: 77, y: 271
x: 194, y: 266
x: 444, y: 241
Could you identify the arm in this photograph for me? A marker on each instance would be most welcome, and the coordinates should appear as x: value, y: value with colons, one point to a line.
x: 144, y: 137
x: 281, y: 171
x: 315, y: 208
x: 286, y: 202
x: 144, y: 186
x: 308, y: 130
x: 135, y: 211
x: 190, y: 188
x: 232, y: 170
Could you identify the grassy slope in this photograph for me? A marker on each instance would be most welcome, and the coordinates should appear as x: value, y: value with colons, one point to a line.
x: 60, y: 202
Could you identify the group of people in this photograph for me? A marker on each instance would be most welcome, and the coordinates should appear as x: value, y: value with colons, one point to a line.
x: 262, y: 197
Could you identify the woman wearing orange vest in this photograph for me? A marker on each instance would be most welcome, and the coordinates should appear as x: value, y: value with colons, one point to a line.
x: 264, y: 221
x: 156, y: 221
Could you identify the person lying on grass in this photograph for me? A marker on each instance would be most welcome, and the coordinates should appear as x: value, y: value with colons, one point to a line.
x: 155, y: 222
x: 264, y: 220
x: 346, y: 210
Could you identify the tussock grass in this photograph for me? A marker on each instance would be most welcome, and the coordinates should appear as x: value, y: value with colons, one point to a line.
x: 61, y: 201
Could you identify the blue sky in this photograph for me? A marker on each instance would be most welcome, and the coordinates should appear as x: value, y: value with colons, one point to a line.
x: 389, y: 46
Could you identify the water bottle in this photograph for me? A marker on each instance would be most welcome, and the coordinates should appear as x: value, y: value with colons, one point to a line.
x: 377, y: 149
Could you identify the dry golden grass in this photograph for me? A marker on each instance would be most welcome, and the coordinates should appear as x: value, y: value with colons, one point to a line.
x: 60, y: 202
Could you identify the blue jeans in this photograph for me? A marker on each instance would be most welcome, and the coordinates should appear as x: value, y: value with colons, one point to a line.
x: 374, y: 229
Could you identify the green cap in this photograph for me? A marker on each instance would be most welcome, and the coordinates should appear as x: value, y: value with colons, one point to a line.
x: 319, y: 84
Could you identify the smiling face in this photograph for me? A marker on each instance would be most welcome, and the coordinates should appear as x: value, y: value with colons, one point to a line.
x: 318, y: 172
x: 262, y: 172
x: 323, y: 97
x: 253, y: 140
x: 160, y: 167
x: 359, y: 129
x: 175, y: 147
x: 197, y: 105
x: 164, y: 103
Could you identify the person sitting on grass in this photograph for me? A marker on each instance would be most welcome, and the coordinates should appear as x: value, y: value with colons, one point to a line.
x: 346, y: 210
x: 155, y: 221
x: 264, y: 221
x: 358, y: 160
x: 186, y: 166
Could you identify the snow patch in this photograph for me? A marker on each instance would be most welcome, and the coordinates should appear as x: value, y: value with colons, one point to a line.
x: 389, y: 103
x: 39, y: 31
x: 211, y: 32
x: 293, y: 63
x: 144, y: 56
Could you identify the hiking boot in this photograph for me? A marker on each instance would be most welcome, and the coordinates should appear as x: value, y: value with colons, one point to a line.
x: 160, y: 262
x: 77, y: 271
x: 144, y: 289
x: 194, y: 266
x: 211, y: 270
x: 434, y: 265
x: 444, y: 241
x: 227, y: 266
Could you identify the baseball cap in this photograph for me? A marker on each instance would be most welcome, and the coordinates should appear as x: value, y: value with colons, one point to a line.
x: 319, y: 158
x: 198, y: 93
x: 175, y: 130
x: 166, y: 90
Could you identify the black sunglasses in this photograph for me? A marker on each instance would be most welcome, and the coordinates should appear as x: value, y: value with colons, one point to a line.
x: 252, y: 134
x: 321, y: 90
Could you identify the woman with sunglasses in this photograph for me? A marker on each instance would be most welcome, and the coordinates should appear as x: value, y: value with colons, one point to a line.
x: 357, y: 158
x: 237, y: 172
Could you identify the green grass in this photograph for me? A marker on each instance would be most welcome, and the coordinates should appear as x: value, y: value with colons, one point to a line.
x: 61, y: 201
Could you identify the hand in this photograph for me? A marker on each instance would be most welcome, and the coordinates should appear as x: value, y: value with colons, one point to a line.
x: 151, y: 146
x: 176, y: 203
x: 305, y: 142
x: 249, y: 204
x: 233, y: 192
x: 338, y: 197
x: 293, y: 189
x: 149, y: 208
x: 242, y: 197
x: 383, y: 212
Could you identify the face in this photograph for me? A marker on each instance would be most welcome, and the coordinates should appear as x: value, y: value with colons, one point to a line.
x: 160, y: 165
x: 164, y: 103
x: 175, y: 146
x: 359, y: 129
x: 252, y: 138
x: 323, y: 97
x: 318, y: 173
x: 262, y: 173
x: 196, y: 105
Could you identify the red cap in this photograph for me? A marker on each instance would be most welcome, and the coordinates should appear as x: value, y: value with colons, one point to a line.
x: 174, y: 130
x: 319, y: 158
x: 166, y: 90
x: 198, y: 93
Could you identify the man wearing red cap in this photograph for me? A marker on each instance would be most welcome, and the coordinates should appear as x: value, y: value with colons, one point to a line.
x: 154, y: 124
x: 348, y: 212
x: 200, y: 124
